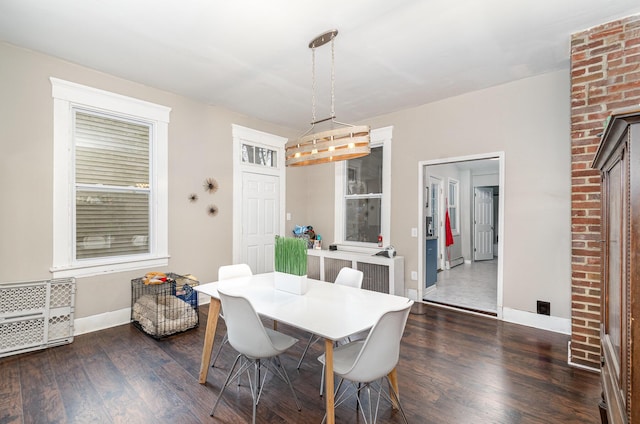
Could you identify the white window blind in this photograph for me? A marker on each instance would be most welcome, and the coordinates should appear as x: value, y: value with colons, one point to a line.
x: 112, y: 190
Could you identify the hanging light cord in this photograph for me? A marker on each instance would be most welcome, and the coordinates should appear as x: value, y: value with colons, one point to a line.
x: 333, y: 79
x: 332, y: 118
x: 313, y: 86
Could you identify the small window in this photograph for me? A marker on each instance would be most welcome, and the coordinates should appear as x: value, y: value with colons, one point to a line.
x: 453, y: 201
x: 363, y: 198
x: 259, y: 156
x: 110, y: 182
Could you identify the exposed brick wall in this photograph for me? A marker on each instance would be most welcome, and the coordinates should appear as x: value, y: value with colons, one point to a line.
x: 605, y: 76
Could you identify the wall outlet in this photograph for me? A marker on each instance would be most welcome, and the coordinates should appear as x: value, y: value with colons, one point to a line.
x: 288, y: 216
x: 414, y: 275
x: 544, y: 308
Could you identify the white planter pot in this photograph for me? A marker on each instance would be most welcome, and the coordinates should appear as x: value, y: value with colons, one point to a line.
x: 296, y: 284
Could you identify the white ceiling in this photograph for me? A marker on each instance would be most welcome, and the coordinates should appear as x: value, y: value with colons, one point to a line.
x: 252, y: 56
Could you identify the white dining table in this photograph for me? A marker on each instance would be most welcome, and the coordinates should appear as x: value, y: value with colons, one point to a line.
x: 330, y: 311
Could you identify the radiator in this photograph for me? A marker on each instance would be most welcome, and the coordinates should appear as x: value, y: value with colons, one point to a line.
x: 376, y: 277
x: 380, y: 274
x: 36, y: 315
x: 313, y: 267
x: 333, y: 266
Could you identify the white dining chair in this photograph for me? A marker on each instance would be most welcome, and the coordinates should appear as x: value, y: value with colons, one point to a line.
x: 227, y: 272
x: 257, y: 346
x: 349, y: 277
x: 367, y: 362
x: 346, y: 277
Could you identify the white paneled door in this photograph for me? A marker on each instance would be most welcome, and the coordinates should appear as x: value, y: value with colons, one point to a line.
x: 483, y: 224
x: 260, y: 219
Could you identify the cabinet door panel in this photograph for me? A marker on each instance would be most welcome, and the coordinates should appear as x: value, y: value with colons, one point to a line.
x: 614, y: 275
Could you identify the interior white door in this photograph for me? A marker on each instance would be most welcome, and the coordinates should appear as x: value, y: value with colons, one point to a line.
x: 483, y: 223
x: 260, y: 217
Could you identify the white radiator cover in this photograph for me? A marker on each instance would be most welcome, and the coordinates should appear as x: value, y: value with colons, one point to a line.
x: 380, y: 273
x: 36, y: 314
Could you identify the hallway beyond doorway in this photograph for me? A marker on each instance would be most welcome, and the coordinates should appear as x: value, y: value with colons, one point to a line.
x: 470, y: 286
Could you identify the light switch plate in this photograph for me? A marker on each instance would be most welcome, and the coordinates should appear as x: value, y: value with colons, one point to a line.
x: 414, y: 275
x: 414, y: 232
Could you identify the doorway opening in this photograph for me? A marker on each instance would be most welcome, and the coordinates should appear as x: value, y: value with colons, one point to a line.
x: 461, y: 232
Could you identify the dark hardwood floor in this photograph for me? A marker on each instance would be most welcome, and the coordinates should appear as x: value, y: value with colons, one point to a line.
x: 454, y: 368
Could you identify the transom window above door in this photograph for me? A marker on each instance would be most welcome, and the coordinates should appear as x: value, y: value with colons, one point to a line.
x: 259, y: 155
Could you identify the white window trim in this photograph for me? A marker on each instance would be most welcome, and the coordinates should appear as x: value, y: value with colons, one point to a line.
x: 456, y: 204
x: 67, y: 95
x: 379, y: 137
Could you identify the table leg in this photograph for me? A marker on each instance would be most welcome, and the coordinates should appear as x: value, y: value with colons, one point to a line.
x: 328, y: 379
x: 393, y: 378
x: 209, y: 335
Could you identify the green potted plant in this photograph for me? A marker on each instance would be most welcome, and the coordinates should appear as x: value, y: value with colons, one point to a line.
x: 291, y: 264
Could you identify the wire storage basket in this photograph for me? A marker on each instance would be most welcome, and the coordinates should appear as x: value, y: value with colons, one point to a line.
x: 164, y: 309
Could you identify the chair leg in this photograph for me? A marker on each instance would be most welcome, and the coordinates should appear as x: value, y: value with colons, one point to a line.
x: 254, y: 391
x: 369, y: 404
x: 397, y: 398
x: 322, y: 381
x: 282, y: 373
x: 309, y: 343
x: 226, y: 383
x: 256, y: 382
x: 225, y: 340
x: 367, y: 411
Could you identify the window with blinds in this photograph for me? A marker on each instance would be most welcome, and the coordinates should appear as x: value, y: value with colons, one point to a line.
x: 112, y: 190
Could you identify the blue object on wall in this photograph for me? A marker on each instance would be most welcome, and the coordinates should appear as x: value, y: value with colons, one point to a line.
x: 431, y: 274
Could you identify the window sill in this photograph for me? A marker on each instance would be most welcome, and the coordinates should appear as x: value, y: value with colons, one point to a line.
x: 371, y: 250
x: 82, y: 270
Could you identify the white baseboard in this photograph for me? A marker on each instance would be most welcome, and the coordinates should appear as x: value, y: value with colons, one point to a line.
x: 428, y: 290
x: 543, y: 322
x: 457, y: 261
x: 101, y: 321
x: 574, y: 365
x: 123, y: 316
x: 112, y: 319
x: 412, y: 294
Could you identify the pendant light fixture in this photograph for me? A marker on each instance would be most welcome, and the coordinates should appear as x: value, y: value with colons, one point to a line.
x: 342, y: 141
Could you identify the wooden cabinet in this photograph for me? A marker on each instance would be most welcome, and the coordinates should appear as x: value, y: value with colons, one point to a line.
x: 618, y: 159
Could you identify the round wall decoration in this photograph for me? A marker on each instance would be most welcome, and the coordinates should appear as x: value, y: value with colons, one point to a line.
x: 210, y: 185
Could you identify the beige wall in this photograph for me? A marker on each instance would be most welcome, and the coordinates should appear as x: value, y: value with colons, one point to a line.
x: 529, y: 121
x: 200, y: 146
